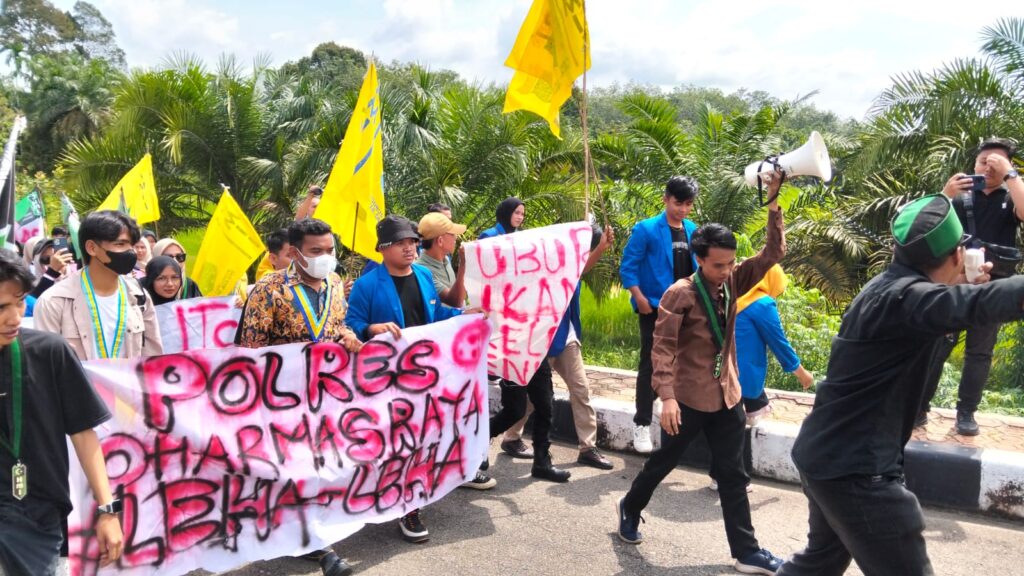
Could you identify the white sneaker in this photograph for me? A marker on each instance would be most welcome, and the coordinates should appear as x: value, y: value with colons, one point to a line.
x: 642, y: 439
x: 714, y: 487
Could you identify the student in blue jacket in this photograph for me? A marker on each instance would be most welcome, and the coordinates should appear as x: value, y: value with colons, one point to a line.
x: 656, y: 255
x: 395, y: 295
x: 759, y: 329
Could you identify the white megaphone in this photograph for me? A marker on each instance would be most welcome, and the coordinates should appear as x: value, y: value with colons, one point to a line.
x: 811, y: 159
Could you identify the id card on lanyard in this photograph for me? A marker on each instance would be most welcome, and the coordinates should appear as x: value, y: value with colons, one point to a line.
x: 717, y: 330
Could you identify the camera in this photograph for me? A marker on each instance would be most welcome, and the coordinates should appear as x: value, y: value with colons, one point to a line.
x: 60, y: 244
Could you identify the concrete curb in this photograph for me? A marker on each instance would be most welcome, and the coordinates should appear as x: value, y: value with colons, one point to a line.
x: 975, y: 479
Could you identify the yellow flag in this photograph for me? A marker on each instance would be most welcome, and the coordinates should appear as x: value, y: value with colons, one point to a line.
x: 548, y: 57
x: 135, y: 193
x: 230, y: 245
x: 353, y: 200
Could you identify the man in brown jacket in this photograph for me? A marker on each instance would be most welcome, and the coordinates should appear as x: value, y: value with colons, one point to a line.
x: 695, y: 375
x: 101, y: 312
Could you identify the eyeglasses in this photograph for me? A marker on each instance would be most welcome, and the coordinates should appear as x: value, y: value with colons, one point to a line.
x: 180, y: 257
x: 169, y: 279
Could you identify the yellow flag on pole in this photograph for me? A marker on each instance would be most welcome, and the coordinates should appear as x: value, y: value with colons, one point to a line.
x: 230, y: 245
x: 548, y: 56
x: 353, y: 200
x: 135, y: 193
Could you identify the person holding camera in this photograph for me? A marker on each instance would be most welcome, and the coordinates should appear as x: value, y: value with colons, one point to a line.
x: 990, y: 207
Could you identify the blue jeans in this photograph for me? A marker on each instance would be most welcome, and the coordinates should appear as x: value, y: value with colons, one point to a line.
x: 30, y: 537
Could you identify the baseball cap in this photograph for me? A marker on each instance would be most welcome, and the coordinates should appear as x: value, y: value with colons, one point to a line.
x: 435, y: 224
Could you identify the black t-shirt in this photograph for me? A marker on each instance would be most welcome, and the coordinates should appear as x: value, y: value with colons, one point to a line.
x: 57, y: 401
x: 408, y: 288
x: 682, y: 267
x: 994, y: 217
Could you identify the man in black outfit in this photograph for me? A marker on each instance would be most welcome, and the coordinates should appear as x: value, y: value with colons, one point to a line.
x: 850, y: 448
x: 44, y: 396
x: 991, y: 216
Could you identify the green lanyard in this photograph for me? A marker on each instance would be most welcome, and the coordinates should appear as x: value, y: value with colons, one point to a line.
x: 717, y: 330
x: 19, y: 474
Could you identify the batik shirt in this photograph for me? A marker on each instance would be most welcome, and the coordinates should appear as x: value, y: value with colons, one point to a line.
x: 273, y: 315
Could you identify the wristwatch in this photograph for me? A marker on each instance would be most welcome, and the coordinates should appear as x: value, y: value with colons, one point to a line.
x: 113, y: 508
x: 1011, y: 174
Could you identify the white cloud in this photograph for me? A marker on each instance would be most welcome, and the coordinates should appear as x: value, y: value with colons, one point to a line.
x: 788, y: 47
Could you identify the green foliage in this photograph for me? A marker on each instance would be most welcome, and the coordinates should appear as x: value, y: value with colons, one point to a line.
x: 611, y: 334
x: 810, y: 325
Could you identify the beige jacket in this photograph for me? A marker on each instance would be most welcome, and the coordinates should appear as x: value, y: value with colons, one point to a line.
x: 63, y: 310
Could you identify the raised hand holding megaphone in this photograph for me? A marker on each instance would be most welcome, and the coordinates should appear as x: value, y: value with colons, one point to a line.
x: 811, y: 159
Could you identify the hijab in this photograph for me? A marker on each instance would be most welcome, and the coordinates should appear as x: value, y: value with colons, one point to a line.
x: 504, y: 213
x: 773, y: 284
x: 154, y: 269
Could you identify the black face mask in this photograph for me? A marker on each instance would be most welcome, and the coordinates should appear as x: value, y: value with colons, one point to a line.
x: 122, y: 262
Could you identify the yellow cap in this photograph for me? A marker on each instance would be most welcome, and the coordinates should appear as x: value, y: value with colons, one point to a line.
x: 435, y: 224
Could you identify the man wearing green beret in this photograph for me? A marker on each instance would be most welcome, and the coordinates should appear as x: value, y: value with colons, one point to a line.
x: 850, y: 449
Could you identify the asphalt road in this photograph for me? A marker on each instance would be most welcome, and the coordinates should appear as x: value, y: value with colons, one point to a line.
x: 527, y: 527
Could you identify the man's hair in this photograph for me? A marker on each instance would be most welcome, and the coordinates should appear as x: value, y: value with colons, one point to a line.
x: 59, y: 231
x: 1003, y: 144
x: 14, y: 269
x: 926, y: 266
x: 298, y: 230
x: 438, y: 207
x: 427, y: 243
x: 106, y: 226
x: 682, y: 188
x: 149, y: 234
x: 711, y: 236
x: 276, y: 240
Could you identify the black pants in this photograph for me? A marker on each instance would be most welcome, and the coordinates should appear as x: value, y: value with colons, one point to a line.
x: 874, y: 519
x: 30, y: 537
x: 513, y: 407
x: 725, y: 431
x: 981, y: 341
x: 644, y: 392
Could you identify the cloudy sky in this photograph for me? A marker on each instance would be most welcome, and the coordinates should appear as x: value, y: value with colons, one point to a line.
x: 786, y: 47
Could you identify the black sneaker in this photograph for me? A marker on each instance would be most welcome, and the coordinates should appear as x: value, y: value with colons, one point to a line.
x: 332, y: 565
x: 965, y: 424
x: 480, y: 482
x: 760, y: 562
x: 413, y: 529
x: 629, y: 525
x: 921, y: 420
x: 517, y: 449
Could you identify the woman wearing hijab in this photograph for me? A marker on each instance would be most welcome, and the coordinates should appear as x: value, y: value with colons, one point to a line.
x: 162, y: 279
x: 510, y: 215
x: 173, y: 249
x: 758, y: 329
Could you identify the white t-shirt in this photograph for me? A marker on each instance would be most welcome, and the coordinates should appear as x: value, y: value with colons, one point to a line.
x: 572, y: 337
x: 108, y: 316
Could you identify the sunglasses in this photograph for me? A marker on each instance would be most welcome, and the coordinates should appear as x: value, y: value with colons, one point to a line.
x: 180, y: 257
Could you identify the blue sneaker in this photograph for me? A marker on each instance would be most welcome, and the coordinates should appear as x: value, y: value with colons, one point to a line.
x: 628, y: 525
x: 760, y: 562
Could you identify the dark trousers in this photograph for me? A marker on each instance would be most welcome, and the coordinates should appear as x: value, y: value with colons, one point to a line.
x: 725, y: 432
x: 874, y: 519
x: 30, y: 537
x: 513, y: 407
x: 981, y: 341
x: 644, y: 392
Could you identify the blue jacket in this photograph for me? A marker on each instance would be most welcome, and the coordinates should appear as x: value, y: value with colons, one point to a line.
x: 758, y: 328
x: 647, y: 260
x: 30, y: 304
x: 572, y: 314
x: 374, y: 300
x: 496, y: 230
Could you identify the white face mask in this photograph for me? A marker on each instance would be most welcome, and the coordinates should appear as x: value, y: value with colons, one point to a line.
x: 319, y: 266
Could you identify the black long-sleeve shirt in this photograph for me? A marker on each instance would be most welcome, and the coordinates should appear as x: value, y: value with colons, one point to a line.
x: 865, y: 408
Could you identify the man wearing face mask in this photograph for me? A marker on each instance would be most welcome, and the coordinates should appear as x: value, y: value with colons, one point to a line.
x: 303, y: 302
x: 97, y: 310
